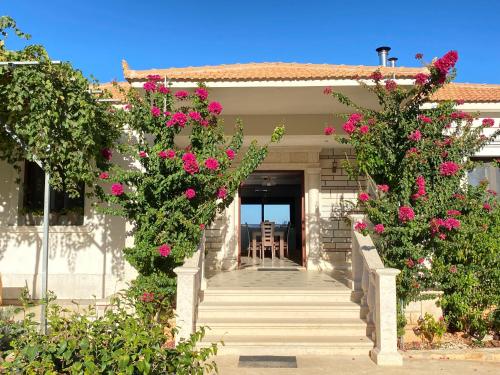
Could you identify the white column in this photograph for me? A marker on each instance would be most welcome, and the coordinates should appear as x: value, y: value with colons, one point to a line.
x: 187, y: 300
x: 357, y: 258
x: 385, y: 352
x: 231, y: 236
x: 312, y: 215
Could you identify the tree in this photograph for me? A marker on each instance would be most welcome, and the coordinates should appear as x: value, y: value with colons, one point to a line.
x: 48, y: 113
x: 175, y: 191
x: 416, y: 162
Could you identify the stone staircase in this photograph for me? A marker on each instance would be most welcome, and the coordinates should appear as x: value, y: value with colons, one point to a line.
x: 284, y: 321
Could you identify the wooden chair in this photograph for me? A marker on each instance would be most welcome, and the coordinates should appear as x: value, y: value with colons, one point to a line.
x: 250, y: 243
x: 267, y: 240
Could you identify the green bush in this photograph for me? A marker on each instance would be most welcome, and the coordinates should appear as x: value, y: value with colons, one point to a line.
x: 428, y: 328
x: 122, y: 341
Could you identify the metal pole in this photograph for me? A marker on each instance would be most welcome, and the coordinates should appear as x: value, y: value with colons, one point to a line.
x: 45, y: 252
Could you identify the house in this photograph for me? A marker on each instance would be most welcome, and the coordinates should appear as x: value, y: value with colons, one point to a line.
x: 260, y: 306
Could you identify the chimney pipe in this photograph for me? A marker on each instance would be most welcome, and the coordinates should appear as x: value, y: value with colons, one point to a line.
x: 382, y: 55
x: 392, y: 61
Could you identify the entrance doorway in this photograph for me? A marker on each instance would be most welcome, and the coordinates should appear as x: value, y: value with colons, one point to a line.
x: 272, y: 201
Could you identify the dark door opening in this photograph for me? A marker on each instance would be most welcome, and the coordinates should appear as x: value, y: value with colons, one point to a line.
x: 275, y: 197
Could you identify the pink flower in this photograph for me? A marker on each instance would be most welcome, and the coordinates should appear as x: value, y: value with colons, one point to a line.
x: 379, y: 228
x: 181, y: 95
x: 211, y: 164
x: 451, y: 223
x: 376, y: 76
x: 222, y: 193
x: 106, y: 153
x: 355, y: 118
x: 420, y: 182
x: 190, y: 193
x: 442, y: 236
x: 104, y: 175
x: 492, y: 192
x: 419, y: 56
x: 127, y: 107
x: 204, y: 123
x: 410, y: 263
x: 415, y: 136
x: 117, y: 189
x: 202, y: 226
x: 327, y: 90
x: 363, y: 129
x: 453, y: 269
x: 460, y: 115
x: 487, y: 206
x: 445, y: 63
x: 349, y: 127
x: 425, y: 119
x: 201, y: 93
x: 383, y: 188
x: 360, y: 226
x: 155, y: 111
x: 459, y: 101
x: 488, y: 122
x: 453, y: 213
x: 421, y: 79
x: 190, y: 164
x: 390, y: 85
x: 448, y: 168
x: 178, y: 118
x: 459, y: 196
x: 162, y: 154
x: 329, y: 130
x: 188, y: 157
x: 195, y: 116
x: 406, y: 214
x: 166, y: 113
x: 149, y: 86
x: 364, y: 197
x: 215, y: 108
x: 164, y: 250
x: 163, y: 90
x: 230, y: 154
x: 143, y: 154
x: 147, y: 297
x: 421, y: 260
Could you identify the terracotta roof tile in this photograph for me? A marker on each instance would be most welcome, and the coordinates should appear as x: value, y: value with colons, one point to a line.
x: 469, y: 92
x: 114, y: 90
x: 277, y: 71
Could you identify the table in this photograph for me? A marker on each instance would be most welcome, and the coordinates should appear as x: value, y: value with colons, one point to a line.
x: 280, y: 233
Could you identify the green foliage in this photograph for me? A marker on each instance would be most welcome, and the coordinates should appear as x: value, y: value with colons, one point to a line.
x: 122, y: 341
x: 415, y: 157
x: 429, y: 329
x: 49, y: 109
x: 172, y: 139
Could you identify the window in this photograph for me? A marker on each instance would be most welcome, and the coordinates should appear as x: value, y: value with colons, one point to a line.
x: 488, y: 171
x: 63, y: 209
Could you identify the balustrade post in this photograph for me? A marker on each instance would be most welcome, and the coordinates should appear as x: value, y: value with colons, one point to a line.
x: 386, y: 352
x: 357, y: 262
x: 187, y: 301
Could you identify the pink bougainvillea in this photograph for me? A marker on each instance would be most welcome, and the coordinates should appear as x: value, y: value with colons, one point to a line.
x: 149, y: 86
x: 379, y: 228
x: 170, y: 154
x: 201, y: 93
x: 445, y: 63
x: 425, y: 119
x: 178, y: 118
x: 164, y: 250
x: 453, y: 213
x: 195, y: 116
x: 360, y: 226
x: 405, y: 214
x: 327, y: 90
x: 230, y: 154
x: 117, y: 189
x: 162, y: 154
x: 106, y: 153
x: 487, y: 206
x: 420, y: 182
x: 415, y: 136
x: 222, y: 193
x: 410, y: 263
x: 212, y: 164
x: 451, y: 223
x: 448, y: 168
x: 376, y: 76
x: 488, y: 122
x: 419, y: 56
x: 163, y: 90
x: 154, y: 77
x: 190, y: 164
x: 364, y: 129
x: 147, y: 297
x: 329, y: 130
x: 355, y: 118
x: 349, y: 127
x: 190, y: 193
x: 364, y: 197
x: 181, y: 95
x: 383, y: 188
x: 104, y: 175
x: 390, y: 85
x: 215, y: 108
x: 155, y: 111
x: 202, y: 226
x: 143, y: 154
x: 421, y: 78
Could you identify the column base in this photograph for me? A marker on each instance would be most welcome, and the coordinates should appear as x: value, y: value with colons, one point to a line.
x: 382, y: 358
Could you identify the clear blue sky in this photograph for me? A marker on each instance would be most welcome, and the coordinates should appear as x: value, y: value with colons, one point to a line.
x: 96, y: 35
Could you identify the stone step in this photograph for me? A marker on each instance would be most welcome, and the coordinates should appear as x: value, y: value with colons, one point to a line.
x: 310, y: 310
x: 291, y: 345
x: 284, y: 326
x: 282, y: 295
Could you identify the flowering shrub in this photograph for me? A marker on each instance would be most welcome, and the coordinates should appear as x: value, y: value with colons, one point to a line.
x: 429, y: 329
x: 416, y: 160
x: 175, y: 191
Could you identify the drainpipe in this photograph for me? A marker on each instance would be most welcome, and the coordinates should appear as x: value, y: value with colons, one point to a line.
x: 382, y: 55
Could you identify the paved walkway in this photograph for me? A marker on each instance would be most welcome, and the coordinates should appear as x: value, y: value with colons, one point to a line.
x: 316, y: 365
